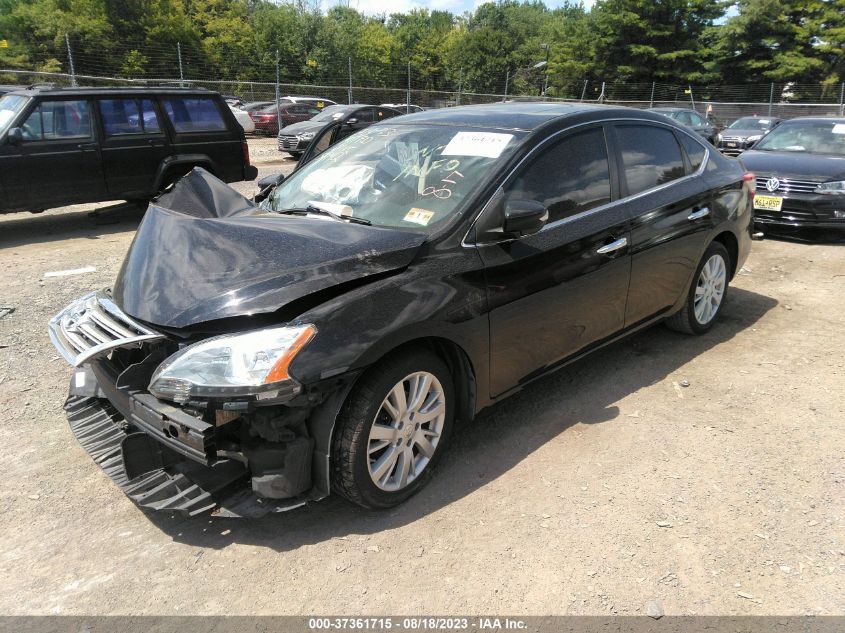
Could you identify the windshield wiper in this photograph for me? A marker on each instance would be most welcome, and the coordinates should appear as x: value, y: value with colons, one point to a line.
x: 318, y: 211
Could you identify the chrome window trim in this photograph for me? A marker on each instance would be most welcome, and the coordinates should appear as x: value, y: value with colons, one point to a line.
x: 604, y: 207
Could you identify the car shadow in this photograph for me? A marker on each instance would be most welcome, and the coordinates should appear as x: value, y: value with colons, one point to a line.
x: 27, y: 228
x: 806, y: 235
x: 585, y: 392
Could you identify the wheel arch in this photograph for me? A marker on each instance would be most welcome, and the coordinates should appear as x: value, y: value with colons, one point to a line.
x: 729, y: 241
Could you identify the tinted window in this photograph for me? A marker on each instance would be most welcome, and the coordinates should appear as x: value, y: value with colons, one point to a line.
x: 695, y: 152
x: 696, y: 118
x: 128, y: 116
x: 149, y: 118
x: 54, y: 120
x: 386, y: 114
x: 194, y: 114
x: 650, y: 155
x: 570, y: 177
x: 364, y: 115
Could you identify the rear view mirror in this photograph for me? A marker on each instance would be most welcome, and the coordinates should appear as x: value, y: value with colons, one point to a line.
x: 15, y: 136
x: 524, y: 217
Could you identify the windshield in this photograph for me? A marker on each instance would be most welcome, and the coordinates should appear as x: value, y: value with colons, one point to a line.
x: 332, y: 113
x: 750, y: 123
x: 409, y: 176
x: 815, y: 137
x: 10, y: 105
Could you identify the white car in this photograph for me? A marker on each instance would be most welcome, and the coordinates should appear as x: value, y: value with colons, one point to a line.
x: 244, y: 119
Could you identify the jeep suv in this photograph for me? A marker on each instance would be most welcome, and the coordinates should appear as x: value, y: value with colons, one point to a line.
x: 61, y: 146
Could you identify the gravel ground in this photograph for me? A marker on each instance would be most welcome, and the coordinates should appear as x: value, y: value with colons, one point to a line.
x: 605, y: 488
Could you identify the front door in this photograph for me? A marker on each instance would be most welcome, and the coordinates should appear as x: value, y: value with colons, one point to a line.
x: 134, y: 145
x: 59, y: 140
x: 564, y: 288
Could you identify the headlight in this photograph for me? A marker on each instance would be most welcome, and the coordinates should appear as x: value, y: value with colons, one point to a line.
x: 306, y: 136
x: 718, y: 138
x: 753, y: 139
x: 232, y: 365
x: 835, y: 186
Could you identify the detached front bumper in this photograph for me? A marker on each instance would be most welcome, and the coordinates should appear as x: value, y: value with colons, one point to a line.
x: 165, y: 457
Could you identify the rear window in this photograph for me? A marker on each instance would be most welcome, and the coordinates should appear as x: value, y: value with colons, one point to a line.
x: 194, y: 114
x: 695, y: 152
x: 128, y: 116
x: 650, y: 155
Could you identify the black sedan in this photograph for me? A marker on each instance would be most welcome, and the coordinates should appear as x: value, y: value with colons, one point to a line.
x: 295, y: 138
x: 253, y: 358
x: 743, y: 133
x: 692, y: 119
x: 800, y: 169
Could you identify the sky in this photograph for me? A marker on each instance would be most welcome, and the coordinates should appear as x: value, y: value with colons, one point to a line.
x: 455, y: 6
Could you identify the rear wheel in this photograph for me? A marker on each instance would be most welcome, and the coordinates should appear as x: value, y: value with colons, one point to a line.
x: 392, y: 430
x: 707, y: 293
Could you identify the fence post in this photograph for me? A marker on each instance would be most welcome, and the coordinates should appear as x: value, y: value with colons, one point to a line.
x: 651, y: 99
x: 460, y: 86
x: 507, y: 81
x: 601, y: 94
x: 408, y: 100
x: 278, y: 110
x: 70, y: 61
x: 179, y: 55
x: 350, y: 79
x: 771, y: 96
x: 842, y: 99
x: 691, y: 99
x: 584, y: 90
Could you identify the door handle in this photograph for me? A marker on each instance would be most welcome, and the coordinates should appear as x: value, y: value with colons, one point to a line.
x: 87, y: 146
x: 703, y: 212
x: 613, y: 246
x: 155, y: 142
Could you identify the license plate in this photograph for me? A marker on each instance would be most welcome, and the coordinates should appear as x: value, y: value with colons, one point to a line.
x: 768, y: 203
x: 731, y: 144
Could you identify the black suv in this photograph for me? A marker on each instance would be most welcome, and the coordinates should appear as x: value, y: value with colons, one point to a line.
x: 61, y: 146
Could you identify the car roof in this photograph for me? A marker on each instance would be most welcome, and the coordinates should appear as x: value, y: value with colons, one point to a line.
x: 521, y: 115
x: 54, y: 91
x: 829, y: 119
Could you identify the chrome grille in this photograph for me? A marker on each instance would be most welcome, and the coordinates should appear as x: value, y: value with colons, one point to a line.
x: 92, y: 326
x: 787, y: 185
x: 288, y: 142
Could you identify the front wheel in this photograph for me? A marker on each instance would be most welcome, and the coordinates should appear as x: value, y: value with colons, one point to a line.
x: 392, y: 430
x: 707, y: 293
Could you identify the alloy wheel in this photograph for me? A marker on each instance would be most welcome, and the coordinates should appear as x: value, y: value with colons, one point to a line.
x: 406, y: 431
x: 710, y: 289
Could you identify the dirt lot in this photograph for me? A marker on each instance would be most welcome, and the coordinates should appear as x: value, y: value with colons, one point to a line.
x: 594, y: 491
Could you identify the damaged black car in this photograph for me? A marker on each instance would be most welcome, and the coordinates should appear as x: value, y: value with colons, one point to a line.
x: 252, y: 357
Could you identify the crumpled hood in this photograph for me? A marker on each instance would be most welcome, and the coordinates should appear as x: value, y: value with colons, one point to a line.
x: 802, y: 165
x: 221, y: 256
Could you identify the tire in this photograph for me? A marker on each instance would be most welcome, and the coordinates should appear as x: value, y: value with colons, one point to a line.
x: 368, y: 470
x: 691, y: 320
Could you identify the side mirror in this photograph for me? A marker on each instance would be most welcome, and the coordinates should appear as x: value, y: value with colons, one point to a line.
x: 524, y: 217
x: 351, y: 121
x: 15, y: 136
x: 270, y: 181
x: 266, y: 186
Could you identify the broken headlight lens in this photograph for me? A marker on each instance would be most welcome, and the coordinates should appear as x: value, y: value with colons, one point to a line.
x: 231, y: 365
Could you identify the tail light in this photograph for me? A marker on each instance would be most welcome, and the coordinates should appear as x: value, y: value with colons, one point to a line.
x: 246, y: 153
x: 751, y: 180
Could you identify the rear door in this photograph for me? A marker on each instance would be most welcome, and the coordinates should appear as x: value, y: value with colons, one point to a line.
x: 670, y: 209
x: 60, y: 155
x: 134, y: 145
x: 555, y: 293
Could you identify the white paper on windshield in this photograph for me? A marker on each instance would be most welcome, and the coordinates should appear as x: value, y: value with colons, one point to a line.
x: 487, y: 144
x: 763, y: 121
x: 839, y: 128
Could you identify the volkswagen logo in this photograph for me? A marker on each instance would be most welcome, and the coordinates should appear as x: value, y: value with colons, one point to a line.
x: 772, y: 184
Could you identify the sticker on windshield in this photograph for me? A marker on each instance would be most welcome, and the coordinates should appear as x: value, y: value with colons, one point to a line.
x: 487, y: 144
x: 839, y: 128
x: 419, y: 216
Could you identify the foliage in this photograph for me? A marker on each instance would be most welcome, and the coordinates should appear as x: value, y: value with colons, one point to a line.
x: 529, y: 45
